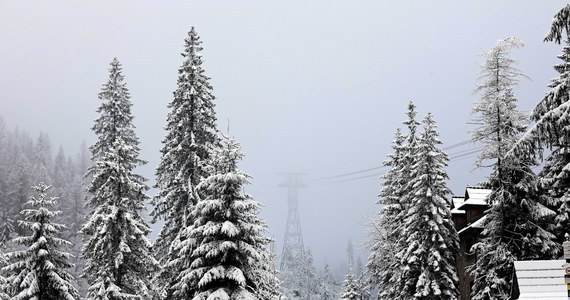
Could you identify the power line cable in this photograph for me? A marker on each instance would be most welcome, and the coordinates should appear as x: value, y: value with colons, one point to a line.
x: 347, y: 174
x: 456, y: 145
x: 458, y: 156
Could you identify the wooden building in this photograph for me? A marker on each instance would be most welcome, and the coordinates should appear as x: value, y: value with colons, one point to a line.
x: 468, y: 214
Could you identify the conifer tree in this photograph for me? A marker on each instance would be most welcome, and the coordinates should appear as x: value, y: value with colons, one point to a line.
x: 496, y: 110
x: 560, y: 23
x: 351, y: 288
x: 350, y: 252
x: 22, y: 182
x: 387, y: 238
x: 60, y: 170
x: 119, y: 258
x: 512, y: 232
x: 431, y: 240
x: 514, y: 229
x: 220, y: 251
x: 384, y: 230
x: 42, y: 160
x: 329, y: 287
x: 4, y: 165
x: 516, y: 223
x: 266, y: 276
x: 363, y: 285
x: 190, y: 138
x: 310, y: 273
x: 40, y: 270
x: 6, y: 230
x: 551, y: 130
x: 293, y: 276
x: 551, y: 115
x: 75, y: 217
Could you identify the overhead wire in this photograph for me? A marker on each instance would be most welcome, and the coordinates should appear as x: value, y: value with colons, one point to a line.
x: 460, y: 155
x: 347, y: 174
x: 456, y: 145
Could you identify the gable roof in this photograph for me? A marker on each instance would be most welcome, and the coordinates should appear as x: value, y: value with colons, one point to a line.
x: 475, y: 196
x: 457, y: 201
x: 477, y: 225
x: 541, y: 279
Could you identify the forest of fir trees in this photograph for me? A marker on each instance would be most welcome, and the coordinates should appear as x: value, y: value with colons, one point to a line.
x: 72, y: 227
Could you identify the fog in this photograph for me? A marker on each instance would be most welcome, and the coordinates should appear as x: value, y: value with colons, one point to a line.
x: 314, y: 87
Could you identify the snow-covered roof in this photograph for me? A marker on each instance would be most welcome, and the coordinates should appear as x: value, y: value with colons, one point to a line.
x: 479, y: 223
x: 475, y: 225
x: 541, y: 279
x: 475, y: 196
x: 456, y: 202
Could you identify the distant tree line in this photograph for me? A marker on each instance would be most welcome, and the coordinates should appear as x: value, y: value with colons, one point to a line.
x: 26, y: 161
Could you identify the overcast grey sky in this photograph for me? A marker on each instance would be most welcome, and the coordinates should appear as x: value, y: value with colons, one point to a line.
x: 317, y: 87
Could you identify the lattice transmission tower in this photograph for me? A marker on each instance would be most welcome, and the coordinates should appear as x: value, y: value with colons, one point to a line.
x: 293, y: 241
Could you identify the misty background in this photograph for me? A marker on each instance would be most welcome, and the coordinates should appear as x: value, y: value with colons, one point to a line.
x: 315, y: 87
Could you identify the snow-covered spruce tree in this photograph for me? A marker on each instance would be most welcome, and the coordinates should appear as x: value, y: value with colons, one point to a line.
x: 7, y: 231
x: 119, y: 258
x: 351, y: 289
x: 219, y: 253
x: 514, y: 228
x: 384, y: 232
x: 22, y: 180
x: 42, y: 160
x: 560, y: 23
x: 551, y: 130
x: 364, y: 285
x: 191, y: 136
x: 328, y: 288
x: 299, y: 276
x: 40, y: 270
x: 293, y: 276
x: 387, y: 238
x: 512, y: 232
x: 428, y: 232
x: 76, y: 212
x: 266, y: 276
x: 310, y: 273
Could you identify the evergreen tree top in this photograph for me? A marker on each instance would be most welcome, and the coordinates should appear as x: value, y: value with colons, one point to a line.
x: 192, y: 43
x: 411, y: 122
x: 40, y: 213
x: 351, y: 289
x: 227, y: 157
x: 115, y: 117
x: 498, y: 72
x: 558, y: 94
x: 501, y: 122
x: 560, y: 23
x: 433, y: 160
x: 40, y: 269
x: 191, y: 136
